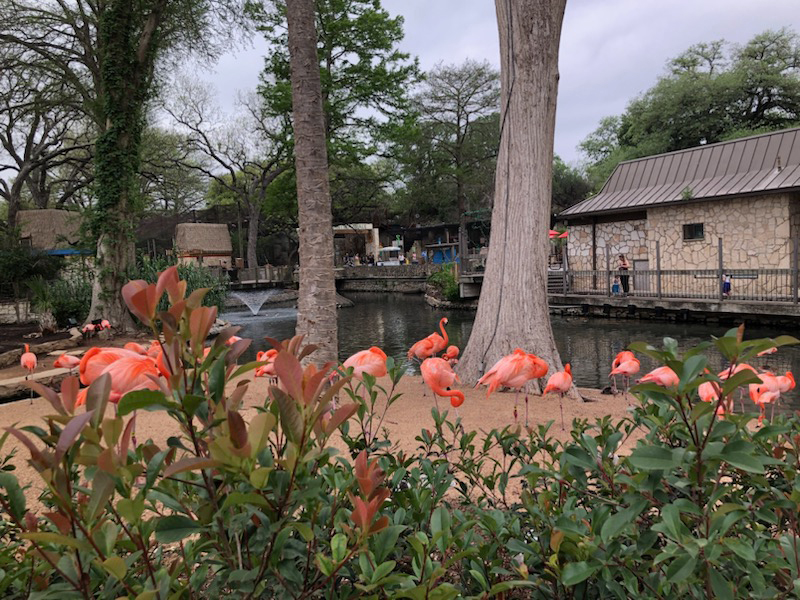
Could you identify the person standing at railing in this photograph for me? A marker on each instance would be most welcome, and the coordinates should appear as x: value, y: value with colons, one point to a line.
x: 623, y: 265
x: 726, y: 285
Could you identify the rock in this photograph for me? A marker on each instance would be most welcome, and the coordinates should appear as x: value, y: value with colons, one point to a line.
x: 74, y: 332
x: 217, y: 327
x: 342, y: 302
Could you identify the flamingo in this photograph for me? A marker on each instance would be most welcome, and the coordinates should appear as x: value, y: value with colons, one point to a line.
x: 439, y: 376
x: 67, y: 361
x: 621, y: 357
x: 627, y: 369
x: 514, y: 371
x: 708, y: 392
x: 451, y: 355
x: 104, y: 324
x: 560, y: 383
x: 431, y: 345
x: 267, y: 370
x: 772, y: 350
x: 96, y: 359
x: 129, y: 372
x: 232, y: 340
x: 553, y: 233
x: 663, y: 376
x: 371, y: 361
x: 786, y: 382
x: 766, y: 393
x: 134, y: 347
x: 28, y: 362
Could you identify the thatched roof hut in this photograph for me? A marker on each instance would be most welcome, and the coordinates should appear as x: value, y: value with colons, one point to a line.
x: 203, y: 238
x: 51, y: 230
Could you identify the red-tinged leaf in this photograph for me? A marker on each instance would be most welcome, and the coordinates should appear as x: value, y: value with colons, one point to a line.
x: 71, y: 432
x: 236, y: 350
x: 200, y: 323
x: 36, y: 454
x: 237, y: 429
x: 224, y: 336
x: 379, y: 525
x: 59, y: 521
x: 192, y: 463
x: 97, y: 397
x: 195, y: 299
x: 290, y: 374
x: 130, y: 293
x: 124, y: 442
x: 291, y: 421
x: 334, y: 389
x: 105, y: 461
x: 70, y: 386
x: 167, y: 280
x: 235, y: 399
x: 359, y: 516
x: 314, y: 385
x: 50, y: 395
x: 339, y: 416
x: 274, y: 343
x: 176, y: 310
x: 307, y: 350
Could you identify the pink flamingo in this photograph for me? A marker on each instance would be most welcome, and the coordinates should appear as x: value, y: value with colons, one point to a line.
x: 560, y: 383
x: 28, y: 362
x: 627, y: 369
x: 663, y: 376
x: 439, y: 376
x: 514, y: 371
x: 371, y: 361
x: 451, y: 355
x: 67, y: 361
x: 431, y: 345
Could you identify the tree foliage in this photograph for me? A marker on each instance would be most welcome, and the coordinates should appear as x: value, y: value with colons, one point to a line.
x: 712, y: 92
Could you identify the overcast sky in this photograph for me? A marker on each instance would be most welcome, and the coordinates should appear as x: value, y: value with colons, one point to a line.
x: 611, y: 50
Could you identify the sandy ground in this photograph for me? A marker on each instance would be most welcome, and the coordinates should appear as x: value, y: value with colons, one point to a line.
x: 404, y: 419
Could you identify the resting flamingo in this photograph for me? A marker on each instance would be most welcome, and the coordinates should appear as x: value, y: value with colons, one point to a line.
x: 268, y: 369
x: 451, y: 355
x: 560, y: 383
x: 771, y: 350
x: 439, y: 376
x: 371, y: 361
x: 514, y: 371
x: 67, y: 361
x: 431, y: 345
x: 786, y: 382
x: 663, y: 376
x: 28, y: 362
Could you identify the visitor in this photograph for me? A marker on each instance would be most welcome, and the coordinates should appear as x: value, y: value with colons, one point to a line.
x: 615, y: 287
x: 623, y: 265
x: 357, y: 260
x: 726, y: 285
x: 424, y: 257
x: 414, y: 260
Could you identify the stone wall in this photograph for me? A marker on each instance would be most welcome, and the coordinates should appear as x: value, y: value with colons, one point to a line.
x: 8, y: 313
x: 620, y: 237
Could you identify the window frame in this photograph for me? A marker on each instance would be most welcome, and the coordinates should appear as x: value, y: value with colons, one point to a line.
x: 693, y: 230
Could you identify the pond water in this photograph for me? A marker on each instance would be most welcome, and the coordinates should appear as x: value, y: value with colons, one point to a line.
x: 394, y: 322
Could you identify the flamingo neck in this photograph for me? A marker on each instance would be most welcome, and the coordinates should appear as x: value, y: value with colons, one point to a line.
x: 443, y: 330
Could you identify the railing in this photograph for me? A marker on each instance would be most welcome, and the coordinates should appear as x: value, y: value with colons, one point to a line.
x: 752, y: 285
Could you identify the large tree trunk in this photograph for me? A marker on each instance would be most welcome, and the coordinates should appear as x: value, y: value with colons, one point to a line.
x: 316, y: 304
x: 115, y: 257
x: 513, y: 311
x: 253, y: 221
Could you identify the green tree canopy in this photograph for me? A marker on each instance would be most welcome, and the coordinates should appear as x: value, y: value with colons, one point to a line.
x: 712, y: 92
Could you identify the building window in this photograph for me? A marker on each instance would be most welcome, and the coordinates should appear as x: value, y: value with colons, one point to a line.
x: 693, y: 231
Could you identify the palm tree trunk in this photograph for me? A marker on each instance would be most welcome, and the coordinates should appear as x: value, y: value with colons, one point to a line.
x: 316, y: 304
x: 513, y: 310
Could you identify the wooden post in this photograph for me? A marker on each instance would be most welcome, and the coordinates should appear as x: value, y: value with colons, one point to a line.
x: 658, y: 269
x: 608, y: 273
x: 794, y: 270
x: 720, y: 283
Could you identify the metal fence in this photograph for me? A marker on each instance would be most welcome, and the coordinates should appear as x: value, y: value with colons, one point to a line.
x: 753, y: 285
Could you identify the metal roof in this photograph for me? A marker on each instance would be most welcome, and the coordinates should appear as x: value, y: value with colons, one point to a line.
x: 758, y: 164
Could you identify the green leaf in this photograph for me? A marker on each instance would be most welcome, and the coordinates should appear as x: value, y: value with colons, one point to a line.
x: 338, y: 547
x: 102, y: 489
x: 576, y: 572
x: 305, y: 531
x: 692, y: 367
x: 291, y: 421
x: 116, y: 566
x: 174, y: 528
x: 16, y: 497
x: 745, y: 462
x: 742, y: 549
x: 191, y: 402
x: 383, y: 570
x: 681, y: 568
x: 616, y: 523
x: 143, y: 400
x: 653, y: 458
x: 46, y: 537
x: 721, y: 586
x: 190, y: 463
x: 244, y: 499
x: 743, y: 377
x: 216, y: 380
x: 440, y: 528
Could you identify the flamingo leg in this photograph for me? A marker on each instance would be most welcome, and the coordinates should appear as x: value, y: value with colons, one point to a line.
x: 561, y: 406
x: 516, y: 400
x: 526, y: 410
x: 772, y: 412
x: 436, y: 401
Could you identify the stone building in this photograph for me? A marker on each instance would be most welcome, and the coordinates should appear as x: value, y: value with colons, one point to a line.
x: 207, y: 244
x: 676, y: 207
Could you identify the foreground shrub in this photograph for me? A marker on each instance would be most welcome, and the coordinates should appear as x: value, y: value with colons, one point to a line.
x: 705, y: 505
x: 195, y: 276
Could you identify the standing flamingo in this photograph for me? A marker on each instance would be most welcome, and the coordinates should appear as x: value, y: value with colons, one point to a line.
x: 514, y: 371
x: 627, y: 369
x: 28, y: 362
x: 439, y: 376
x: 786, y: 382
x: 431, y: 345
x: 451, y: 355
x: 560, y: 383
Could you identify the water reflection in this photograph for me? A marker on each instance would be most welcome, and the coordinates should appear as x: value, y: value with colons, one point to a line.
x: 395, y: 321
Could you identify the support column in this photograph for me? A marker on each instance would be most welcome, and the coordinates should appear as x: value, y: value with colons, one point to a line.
x: 658, y: 269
